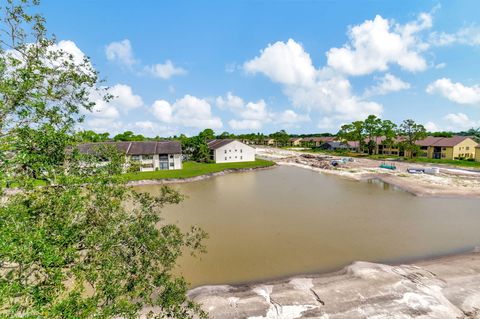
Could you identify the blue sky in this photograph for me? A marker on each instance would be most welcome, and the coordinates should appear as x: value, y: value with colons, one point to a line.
x: 249, y: 66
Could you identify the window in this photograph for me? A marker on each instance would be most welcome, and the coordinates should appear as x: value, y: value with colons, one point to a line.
x: 225, y: 156
x: 225, y: 151
x: 241, y: 157
x: 171, y: 156
x: 135, y: 157
x: 230, y: 151
x: 444, y: 148
x: 163, y: 157
x: 235, y: 150
x: 163, y: 165
x: 235, y: 157
x: 171, y: 164
x: 241, y: 151
x: 467, y: 148
x: 147, y: 157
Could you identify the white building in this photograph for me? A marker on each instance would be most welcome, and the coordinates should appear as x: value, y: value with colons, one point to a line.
x: 230, y: 151
x: 150, y: 156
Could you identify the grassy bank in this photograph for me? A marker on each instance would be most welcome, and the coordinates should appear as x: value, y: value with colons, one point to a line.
x: 192, y: 169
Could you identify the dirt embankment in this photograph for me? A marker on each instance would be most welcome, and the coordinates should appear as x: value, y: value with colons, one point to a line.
x: 449, y: 181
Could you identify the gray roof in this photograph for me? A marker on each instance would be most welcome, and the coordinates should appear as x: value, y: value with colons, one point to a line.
x: 135, y: 148
x: 214, y: 144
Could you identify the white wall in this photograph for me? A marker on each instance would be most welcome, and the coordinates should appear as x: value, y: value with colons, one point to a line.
x: 234, y: 152
x: 175, y: 159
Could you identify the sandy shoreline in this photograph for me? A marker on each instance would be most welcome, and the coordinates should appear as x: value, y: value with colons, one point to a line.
x: 450, y: 182
x: 446, y: 287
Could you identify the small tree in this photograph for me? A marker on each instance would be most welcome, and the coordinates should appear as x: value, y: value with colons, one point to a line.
x: 412, y: 132
x: 353, y: 132
x: 389, y: 130
x: 372, y: 126
x: 281, y: 137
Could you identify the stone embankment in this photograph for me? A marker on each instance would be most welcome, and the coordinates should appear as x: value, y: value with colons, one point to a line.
x: 443, y: 288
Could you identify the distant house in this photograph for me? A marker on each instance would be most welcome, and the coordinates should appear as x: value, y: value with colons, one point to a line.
x: 150, y: 156
x: 334, y: 146
x: 295, y: 141
x: 230, y: 151
x: 316, y: 141
x: 270, y: 142
x: 447, y: 147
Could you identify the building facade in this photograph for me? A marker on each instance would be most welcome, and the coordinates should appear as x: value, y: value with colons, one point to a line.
x: 477, y: 153
x: 230, y: 151
x: 147, y: 156
x: 449, y: 148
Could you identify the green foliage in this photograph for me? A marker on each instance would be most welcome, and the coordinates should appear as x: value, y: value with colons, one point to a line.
x: 353, y: 132
x: 128, y: 136
x: 412, y: 132
x: 84, y: 244
x: 91, y: 136
x: 91, y: 250
x: 281, y: 138
x: 195, y: 148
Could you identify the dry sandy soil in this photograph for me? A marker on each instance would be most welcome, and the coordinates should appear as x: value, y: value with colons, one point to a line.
x: 444, y: 288
x: 449, y: 182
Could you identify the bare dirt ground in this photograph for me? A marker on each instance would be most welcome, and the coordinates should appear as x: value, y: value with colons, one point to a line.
x: 450, y: 181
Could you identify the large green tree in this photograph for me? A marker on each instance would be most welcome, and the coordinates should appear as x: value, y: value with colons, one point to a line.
x: 389, y: 132
x: 353, y: 132
x: 411, y: 132
x: 84, y: 244
x: 372, y: 127
x: 281, y: 138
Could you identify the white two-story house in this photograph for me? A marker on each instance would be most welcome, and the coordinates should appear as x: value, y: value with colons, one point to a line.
x: 230, y: 151
x: 149, y: 156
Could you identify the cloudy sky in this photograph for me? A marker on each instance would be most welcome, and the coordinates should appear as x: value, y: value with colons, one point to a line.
x: 301, y: 65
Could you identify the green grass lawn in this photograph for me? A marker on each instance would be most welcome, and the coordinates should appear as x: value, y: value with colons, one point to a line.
x: 192, y: 169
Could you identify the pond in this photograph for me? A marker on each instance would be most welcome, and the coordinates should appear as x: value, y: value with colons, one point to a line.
x: 287, y: 221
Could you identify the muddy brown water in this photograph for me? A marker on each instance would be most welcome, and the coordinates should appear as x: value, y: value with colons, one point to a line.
x: 288, y: 221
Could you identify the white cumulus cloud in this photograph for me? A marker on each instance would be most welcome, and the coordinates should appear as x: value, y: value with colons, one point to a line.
x: 460, y: 121
x: 469, y: 35
x: 230, y: 101
x: 310, y: 89
x: 455, y: 91
x: 245, y: 124
x: 386, y: 84
x: 120, y: 52
x: 290, y: 118
x: 188, y: 111
x: 375, y: 44
x: 165, y: 70
x: 285, y: 63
